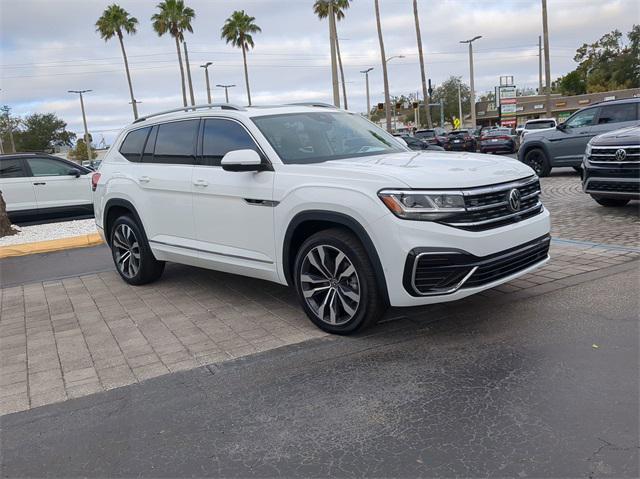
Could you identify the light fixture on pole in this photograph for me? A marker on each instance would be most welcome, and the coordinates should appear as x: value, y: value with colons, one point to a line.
x: 226, y: 91
x: 206, y: 75
x: 87, y: 140
x: 473, y: 93
x: 366, y: 76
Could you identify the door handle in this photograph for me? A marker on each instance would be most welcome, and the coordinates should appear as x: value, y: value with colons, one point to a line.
x: 200, y: 183
x: 39, y: 183
x: 144, y: 179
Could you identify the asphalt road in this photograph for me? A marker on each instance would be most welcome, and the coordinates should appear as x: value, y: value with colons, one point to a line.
x: 545, y: 386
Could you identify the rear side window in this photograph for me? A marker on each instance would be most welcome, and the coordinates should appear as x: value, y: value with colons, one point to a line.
x: 617, y: 113
x: 221, y: 137
x: 175, y: 143
x: 132, y: 145
x: 11, y: 169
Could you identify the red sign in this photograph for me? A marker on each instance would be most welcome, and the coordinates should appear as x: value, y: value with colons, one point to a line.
x: 506, y: 101
x: 508, y: 122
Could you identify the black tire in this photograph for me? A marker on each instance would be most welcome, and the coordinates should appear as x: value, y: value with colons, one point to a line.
x: 370, y: 306
x: 610, y: 202
x: 537, y: 160
x: 127, y: 234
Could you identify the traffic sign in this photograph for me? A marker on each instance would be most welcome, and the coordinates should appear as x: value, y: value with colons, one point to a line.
x: 456, y: 123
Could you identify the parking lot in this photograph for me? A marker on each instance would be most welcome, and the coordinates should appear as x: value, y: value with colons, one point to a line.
x: 87, y: 333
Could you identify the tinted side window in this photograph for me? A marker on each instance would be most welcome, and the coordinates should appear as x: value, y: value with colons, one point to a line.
x: 221, y: 137
x: 617, y: 113
x: 176, y: 142
x: 147, y: 156
x: 48, y: 167
x: 11, y: 169
x: 132, y: 145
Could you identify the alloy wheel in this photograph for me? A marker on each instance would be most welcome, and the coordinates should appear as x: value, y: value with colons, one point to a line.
x: 330, y: 285
x: 535, y: 161
x: 126, y: 250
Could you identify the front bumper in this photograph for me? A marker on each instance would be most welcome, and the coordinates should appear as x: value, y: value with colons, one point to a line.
x: 396, y: 239
x: 621, y: 181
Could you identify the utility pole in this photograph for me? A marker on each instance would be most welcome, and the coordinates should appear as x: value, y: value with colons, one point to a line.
x: 87, y: 139
x: 387, y: 60
x: 547, y: 65
x: 206, y: 75
x: 385, y: 77
x: 460, y: 104
x: 6, y: 110
x: 473, y: 93
x: 366, y: 77
x: 186, y: 61
x: 226, y: 91
x: 423, y: 75
x: 539, y: 65
x: 334, y: 64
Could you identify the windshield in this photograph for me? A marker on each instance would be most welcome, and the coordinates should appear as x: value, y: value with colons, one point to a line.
x: 540, y: 125
x: 315, y: 137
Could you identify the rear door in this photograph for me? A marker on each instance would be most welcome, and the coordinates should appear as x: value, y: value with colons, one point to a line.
x: 55, y: 184
x: 613, y: 117
x: 233, y: 210
x: 16, y: 186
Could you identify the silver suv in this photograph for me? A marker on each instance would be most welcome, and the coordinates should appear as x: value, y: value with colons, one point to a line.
x: 565, y: 144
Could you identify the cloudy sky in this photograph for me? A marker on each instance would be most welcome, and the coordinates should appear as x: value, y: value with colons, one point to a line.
x: 50, y: 46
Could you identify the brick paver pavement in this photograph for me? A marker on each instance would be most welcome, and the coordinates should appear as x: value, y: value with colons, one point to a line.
x: 73, y: 337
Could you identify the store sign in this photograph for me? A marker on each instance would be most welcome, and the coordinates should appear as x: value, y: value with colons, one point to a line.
x: 508, y: 109
x: 539, y: 106
x: 508, y: 122
x: 507, y: 92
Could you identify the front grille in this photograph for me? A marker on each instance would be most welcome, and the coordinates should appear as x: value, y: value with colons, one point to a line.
x: 613, y: 186
x: 489, y: 207
x: 442, y: 272
x: 610, y: 154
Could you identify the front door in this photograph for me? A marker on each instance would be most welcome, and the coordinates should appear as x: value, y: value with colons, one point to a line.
x: 568, y: 145
x: 233, y: 211
x: 56, y: 186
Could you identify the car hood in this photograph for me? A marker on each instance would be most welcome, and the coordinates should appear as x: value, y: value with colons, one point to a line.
x: 435, y: 169
x: 622, y: 137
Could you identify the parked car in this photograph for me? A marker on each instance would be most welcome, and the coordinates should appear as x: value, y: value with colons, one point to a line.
x: 319, y: 199
x: 611, y: 167
x: 498, y: 140
x: 38, y: 184
x: 418, y: 144
x: 433, y: 136
x: 565, y: 145
x: 537, y: 125
x: 459, y: 140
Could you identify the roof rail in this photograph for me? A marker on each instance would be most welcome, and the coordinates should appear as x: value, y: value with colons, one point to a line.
x: 222, y: 106
x: 314, y: 103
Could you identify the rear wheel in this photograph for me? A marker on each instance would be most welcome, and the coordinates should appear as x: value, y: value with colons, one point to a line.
x: 131, y: 253
x: 336, y: 282
x: 601, y: 200
x: 538, y: 161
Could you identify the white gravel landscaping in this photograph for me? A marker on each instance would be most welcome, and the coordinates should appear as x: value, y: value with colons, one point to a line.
x: 50, y: 231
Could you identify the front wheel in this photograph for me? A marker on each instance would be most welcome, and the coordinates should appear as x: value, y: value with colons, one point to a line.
x: 131, y: 253
x: 336, y: 282
x: 538, y: 161
x: 610, y: 202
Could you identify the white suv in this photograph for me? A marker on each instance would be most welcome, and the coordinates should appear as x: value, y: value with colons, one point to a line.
x: 320, y: 199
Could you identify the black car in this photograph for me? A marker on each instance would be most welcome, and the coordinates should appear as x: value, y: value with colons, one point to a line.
x: 433, y: 136
x: 419, y: 144
x: 611, y: 167
x: 459, y: 140
x: 498, y: 140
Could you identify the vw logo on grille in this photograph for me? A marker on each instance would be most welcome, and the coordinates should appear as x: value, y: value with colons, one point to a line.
x: 621, y: 154
x: 513, y: 200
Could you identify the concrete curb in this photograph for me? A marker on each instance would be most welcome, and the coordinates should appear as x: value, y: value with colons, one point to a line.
x: 51, y: 245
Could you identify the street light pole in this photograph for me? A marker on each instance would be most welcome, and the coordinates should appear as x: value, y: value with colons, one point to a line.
x: 473, y: 93
x: 547, y: 63
x: 206, y: 75
x: 366, y: 76
x: 226, y: 91
x: 87, y: 141
x: 386, y: 61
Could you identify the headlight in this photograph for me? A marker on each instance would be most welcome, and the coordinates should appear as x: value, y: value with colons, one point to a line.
x: 587, y: 152
x: 423, y: 205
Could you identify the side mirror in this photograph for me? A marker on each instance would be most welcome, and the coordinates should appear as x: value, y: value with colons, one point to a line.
x: 74, y: 172
x: 561, y: 126
x: 242, y: 160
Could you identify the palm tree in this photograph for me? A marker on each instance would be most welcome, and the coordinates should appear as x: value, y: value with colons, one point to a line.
x: 114, y: 21
x: 387, y: 101
x: 174, y: 18
x: 237, y: 30
x: 423, y: 75
x: 321, y: 9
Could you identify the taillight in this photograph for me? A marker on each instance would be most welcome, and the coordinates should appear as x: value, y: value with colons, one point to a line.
x: 94, y: 180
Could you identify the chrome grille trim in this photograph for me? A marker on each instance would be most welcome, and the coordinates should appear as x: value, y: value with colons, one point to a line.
x: 501, y: 218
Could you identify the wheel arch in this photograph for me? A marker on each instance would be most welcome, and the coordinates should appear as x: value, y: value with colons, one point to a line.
x: 114, y: 208
x: 309, y: 222
x: 528, y: 146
